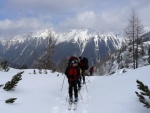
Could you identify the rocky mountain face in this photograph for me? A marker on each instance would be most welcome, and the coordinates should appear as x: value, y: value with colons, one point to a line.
x: 25, y: 49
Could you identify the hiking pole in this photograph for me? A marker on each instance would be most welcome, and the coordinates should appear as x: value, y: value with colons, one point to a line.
x: 88, y: 80
x: 80, y: 96
x: 86, y: 87
x: 87, y: 77
x: 63, y: 83
x: 66, y: 99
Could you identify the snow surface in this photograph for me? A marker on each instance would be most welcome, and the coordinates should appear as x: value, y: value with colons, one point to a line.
x: 41, y: 93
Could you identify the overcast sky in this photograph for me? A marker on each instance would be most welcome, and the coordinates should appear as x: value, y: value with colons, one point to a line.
x: 23, y: 16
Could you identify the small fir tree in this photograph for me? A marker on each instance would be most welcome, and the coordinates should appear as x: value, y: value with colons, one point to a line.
x: 10, y: 100
x: 53, y: 71
x: 40, y: 71
x: 10, y: 85
x: 144, y: 92
x: 34, y: 72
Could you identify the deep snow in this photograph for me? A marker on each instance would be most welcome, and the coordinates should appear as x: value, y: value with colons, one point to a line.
x: 41, y: 93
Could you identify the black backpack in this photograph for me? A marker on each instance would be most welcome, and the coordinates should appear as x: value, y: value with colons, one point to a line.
x: 85, y: 60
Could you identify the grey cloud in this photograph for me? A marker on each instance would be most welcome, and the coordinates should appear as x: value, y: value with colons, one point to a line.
x: 62, y: 15
x: 9, y: 28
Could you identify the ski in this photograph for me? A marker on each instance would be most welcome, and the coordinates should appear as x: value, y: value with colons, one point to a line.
x: 75, y: 106
x: 72, y: 105
x: 69, y: 106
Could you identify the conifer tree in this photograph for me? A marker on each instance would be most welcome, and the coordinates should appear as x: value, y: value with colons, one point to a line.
x: 40, y: 71
x: 144, y: 92
x: 10, y: 85
x: 34, y: 72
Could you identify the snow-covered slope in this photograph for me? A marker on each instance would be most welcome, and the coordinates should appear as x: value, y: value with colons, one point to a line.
x: 41, y: 93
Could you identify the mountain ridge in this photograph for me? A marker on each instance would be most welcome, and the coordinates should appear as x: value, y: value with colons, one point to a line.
x: 20, y: 49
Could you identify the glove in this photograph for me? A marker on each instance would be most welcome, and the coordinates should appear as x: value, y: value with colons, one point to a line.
x: 67, y: 76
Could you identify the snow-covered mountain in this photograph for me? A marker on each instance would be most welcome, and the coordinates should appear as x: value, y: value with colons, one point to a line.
x: 94, y: 45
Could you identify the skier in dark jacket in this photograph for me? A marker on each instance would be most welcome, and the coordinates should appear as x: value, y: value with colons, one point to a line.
x: 91, y: 70
x: 83, y: 66
x: 73, y: 73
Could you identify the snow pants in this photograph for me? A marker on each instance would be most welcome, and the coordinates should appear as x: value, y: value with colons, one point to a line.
x: 73, y: 87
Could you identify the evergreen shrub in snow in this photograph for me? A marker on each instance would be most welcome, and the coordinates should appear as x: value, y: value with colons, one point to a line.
x: 145, y: 92
x: 34, y: 72
x: 11, y: 84
x: 10, y: 100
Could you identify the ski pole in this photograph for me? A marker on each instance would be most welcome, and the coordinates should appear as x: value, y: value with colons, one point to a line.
x: 86, y: 87
x: 88, y: 80
x: 66, y: 99
x: 80, y: 96
x: 63, y: 83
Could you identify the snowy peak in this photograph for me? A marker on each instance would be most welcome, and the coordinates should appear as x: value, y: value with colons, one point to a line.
x: 84, y: 42
x: 82, y: 35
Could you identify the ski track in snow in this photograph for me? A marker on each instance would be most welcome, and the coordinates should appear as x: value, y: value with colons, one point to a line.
x: 62, y: 102
x: 41, y: 93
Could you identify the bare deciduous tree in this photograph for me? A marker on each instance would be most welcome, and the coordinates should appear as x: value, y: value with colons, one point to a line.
x: 133, y: 32
x: 139, y: 32
x: 62, y: 64
x: 45, y: 61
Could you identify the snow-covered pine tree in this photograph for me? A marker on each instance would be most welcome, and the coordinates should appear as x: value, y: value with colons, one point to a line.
x: 10, y: 85
x: 144, y: 92
x: 10, y: 100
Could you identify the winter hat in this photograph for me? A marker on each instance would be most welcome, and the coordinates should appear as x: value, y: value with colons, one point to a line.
x: 74, y: 61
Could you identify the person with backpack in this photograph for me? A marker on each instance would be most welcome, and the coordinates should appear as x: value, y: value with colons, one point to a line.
x: 83, y: 64
x: 91, y: 70
x: 73, y: 74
